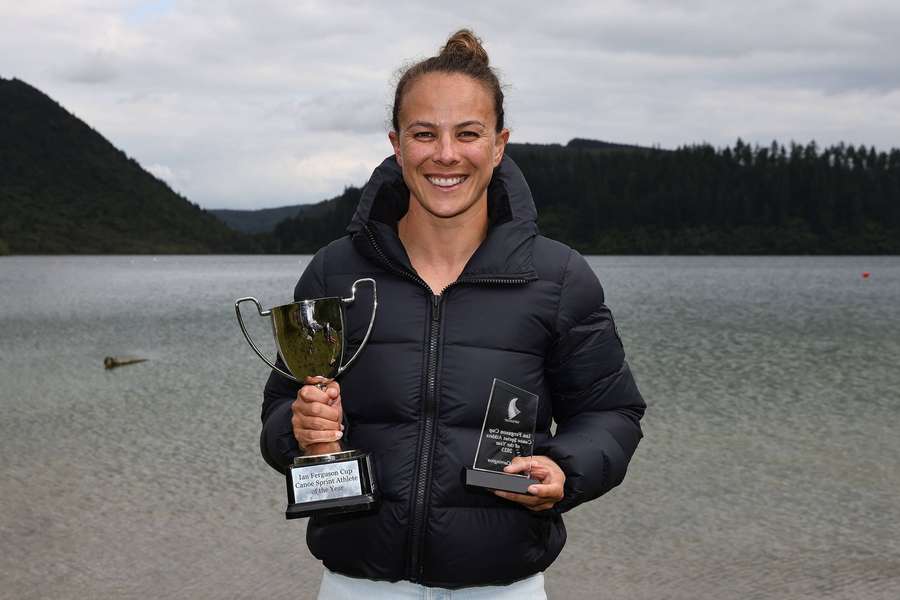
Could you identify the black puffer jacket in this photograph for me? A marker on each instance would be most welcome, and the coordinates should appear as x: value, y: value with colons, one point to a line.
x: 527, y: 310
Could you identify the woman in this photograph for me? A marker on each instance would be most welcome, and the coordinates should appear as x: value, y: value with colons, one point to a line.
x: 468, y: 292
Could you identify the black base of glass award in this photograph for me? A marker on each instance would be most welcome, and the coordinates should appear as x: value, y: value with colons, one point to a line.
x: 493, y: 480
x: 323, y: 484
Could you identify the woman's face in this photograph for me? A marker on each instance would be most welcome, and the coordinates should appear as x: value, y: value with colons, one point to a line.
x: 447, y: 146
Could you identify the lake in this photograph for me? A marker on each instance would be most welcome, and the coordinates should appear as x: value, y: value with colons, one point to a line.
x: 770, y: 466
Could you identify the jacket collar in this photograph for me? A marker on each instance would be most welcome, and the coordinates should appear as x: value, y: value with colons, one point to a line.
x: 506, y: 252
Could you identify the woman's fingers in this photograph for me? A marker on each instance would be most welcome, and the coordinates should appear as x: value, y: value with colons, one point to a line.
x: 315, y: 423
x: 523, y: 499
x: 519, y: 464
x: 314, y: 430
x: 316, y: 390
x: 317, y: 414
x: 333, y: 391
x: 318, y: 409
x: 308, y: 437
x: 543, y: 495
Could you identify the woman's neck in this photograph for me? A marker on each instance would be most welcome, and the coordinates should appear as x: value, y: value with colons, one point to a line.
x: 440, y: 248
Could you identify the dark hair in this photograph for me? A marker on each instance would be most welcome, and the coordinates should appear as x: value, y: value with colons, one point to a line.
x: 464, y: 54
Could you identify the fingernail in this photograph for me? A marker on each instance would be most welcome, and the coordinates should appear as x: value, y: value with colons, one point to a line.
x: 532, y: 489
x: 339, y: 435
x: 342, y: 426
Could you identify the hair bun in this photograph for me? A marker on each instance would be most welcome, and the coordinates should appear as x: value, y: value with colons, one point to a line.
x: 463, y: 54
x: 465, y: 43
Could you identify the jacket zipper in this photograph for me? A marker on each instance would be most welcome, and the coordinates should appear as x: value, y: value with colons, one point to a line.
x: 390, y: 264
x: 423, y: 469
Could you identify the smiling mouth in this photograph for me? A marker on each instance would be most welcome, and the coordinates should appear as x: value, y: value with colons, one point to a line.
x: 446, y: 182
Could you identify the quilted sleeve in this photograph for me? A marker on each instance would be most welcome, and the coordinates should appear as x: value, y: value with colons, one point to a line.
x: 596, y: 403
x: 277, y: 442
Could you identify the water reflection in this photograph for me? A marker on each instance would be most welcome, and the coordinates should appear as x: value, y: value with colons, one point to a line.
x: 768, y: 468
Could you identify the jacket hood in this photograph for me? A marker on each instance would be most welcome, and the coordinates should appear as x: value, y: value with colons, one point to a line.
x: 505, y: 252
x: 508, y: 195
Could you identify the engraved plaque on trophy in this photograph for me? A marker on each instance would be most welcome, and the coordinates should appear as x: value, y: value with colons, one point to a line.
x: 310, y: 338
x: 507, y: 432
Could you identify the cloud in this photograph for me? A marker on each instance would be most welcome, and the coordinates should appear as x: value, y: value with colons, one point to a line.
x: 350, y: 113
x: 97, y: 67
x: 272, y: 103
x: 174, y: 178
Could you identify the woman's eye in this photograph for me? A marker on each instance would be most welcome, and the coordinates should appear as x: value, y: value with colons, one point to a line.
x: 468, y: 134
x: 423, y: 135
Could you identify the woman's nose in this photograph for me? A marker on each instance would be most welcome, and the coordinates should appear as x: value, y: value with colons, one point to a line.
x: 445, y: 152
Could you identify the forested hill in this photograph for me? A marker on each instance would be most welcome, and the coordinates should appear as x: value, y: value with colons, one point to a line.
x: 65, y: 189
x: 798, y: 199
x: 617, y: 199
x: 258, y: 221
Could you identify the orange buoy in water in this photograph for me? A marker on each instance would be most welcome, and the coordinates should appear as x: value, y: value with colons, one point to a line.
x: 866, y: 274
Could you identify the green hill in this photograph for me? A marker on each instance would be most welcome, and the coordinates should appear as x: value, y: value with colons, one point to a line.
x: 64, y: 189
x: 264, y: 220
x: 610, y: 199
x: 315, y: 227
x: 257, y: 221
x: 605, y: 198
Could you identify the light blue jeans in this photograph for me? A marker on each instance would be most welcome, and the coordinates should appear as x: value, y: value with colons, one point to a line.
x: 340, y: 587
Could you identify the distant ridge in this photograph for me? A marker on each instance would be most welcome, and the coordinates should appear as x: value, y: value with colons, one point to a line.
x: 64, y: 189
x: 259, y: 220
x: 585, y: 144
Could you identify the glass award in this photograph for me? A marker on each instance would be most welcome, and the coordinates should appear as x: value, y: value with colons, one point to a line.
x: 507, y: 432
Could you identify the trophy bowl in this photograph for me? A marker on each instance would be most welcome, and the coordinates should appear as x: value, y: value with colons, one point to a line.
x: 309, y: 337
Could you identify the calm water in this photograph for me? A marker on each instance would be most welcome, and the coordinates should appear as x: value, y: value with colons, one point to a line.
x: 770, y: 466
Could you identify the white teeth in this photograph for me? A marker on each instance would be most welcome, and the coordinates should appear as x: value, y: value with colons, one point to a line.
x: 446, y: 181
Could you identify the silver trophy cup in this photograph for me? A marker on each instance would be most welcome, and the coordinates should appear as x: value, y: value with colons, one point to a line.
x: 309, y: 337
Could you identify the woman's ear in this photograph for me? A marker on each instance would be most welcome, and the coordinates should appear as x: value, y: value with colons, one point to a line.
x: 395, y: 142
x: 500, y: 146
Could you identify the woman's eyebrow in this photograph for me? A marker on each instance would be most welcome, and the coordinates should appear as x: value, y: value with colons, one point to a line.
x: 434, y: 126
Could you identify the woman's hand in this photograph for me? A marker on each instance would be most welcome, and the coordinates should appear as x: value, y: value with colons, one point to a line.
x: 317, y: 417
x: 543, y: 495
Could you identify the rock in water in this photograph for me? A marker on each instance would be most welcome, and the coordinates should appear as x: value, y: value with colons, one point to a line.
x: 111, y: 362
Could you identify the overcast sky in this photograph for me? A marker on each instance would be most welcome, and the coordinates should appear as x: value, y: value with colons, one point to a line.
x: 271, y: 102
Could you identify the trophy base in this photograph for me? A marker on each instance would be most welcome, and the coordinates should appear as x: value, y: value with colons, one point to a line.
x: 323, y: 484
x: 330, y: 507
x: 505, y: 482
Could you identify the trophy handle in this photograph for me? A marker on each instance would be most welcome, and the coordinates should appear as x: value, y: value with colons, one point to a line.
x: 262, y: 313
x: 365, y: 339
